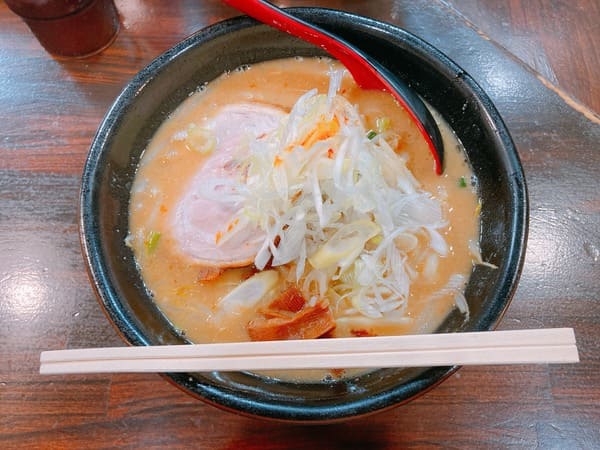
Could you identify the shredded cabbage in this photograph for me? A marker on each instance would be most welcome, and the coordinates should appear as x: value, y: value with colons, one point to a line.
x: 332, y: 203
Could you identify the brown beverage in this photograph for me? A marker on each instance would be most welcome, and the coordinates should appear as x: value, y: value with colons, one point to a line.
x: 74, y: 28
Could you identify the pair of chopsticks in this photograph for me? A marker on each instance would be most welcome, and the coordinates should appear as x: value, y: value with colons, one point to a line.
x: 555, y: 345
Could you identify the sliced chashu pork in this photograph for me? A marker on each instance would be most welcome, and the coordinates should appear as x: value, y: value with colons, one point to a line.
x: 200, y: 220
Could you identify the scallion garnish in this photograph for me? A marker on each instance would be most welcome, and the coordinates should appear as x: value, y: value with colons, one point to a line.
x: 382, y: 124
x: 371, y: 134
x: 152, y: 241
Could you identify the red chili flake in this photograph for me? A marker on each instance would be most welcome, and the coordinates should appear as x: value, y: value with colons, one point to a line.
x: 337, y: 373
x: 361, y: 333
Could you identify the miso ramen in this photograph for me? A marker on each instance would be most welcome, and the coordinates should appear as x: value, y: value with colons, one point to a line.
x: 282, y: 201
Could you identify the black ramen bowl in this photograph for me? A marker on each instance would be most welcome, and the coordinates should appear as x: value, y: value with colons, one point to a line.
x: 159, y: 88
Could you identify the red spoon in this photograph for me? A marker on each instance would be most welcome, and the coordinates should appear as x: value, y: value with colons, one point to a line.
x: 367, y: 73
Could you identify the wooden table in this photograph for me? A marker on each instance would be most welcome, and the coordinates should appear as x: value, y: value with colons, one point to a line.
x: 538, y: 60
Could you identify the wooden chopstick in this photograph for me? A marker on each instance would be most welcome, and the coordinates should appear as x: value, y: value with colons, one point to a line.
x: 555, y: 345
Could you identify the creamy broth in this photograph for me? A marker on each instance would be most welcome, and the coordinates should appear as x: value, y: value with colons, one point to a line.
x: 168, y: 166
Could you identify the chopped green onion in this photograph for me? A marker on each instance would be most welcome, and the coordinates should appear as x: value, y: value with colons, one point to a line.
x: 371, y: 134
x: 376, y: 240
x: 462, y: 182
x: 382, y: 124
x: 200, y: 140
x: 152, y: 241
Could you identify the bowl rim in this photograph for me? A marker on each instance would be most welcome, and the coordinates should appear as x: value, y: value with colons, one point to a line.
x: 109, y: 300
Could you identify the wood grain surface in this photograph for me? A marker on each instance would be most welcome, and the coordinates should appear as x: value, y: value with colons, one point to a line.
x: 538, y: 60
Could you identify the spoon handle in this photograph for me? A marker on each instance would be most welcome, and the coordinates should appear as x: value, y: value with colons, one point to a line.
x: 367, y: 73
